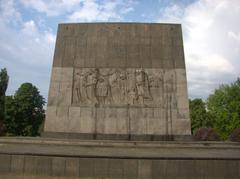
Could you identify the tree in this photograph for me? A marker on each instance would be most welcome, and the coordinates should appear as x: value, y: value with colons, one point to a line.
x: 24, y: 111
x: 224, y: 107
x: 198, y: 114
x: 3, y: 87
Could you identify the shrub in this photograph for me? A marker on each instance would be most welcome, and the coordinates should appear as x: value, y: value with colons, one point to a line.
x: 235, y: 136
x: 206, y: 134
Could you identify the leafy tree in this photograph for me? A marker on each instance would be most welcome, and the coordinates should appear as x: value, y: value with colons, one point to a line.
x: 224, y: 107
x: 198, y: 114
x: 3, y: 87
x: 24, y: 111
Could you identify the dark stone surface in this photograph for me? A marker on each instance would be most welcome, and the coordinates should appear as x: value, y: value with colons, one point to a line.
x: 63, y: 135
x: 120, y: 45
x: 5, y: 163
x: 35, y: 159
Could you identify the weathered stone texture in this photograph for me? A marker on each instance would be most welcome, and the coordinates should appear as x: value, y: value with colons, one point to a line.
x: 118, y: 78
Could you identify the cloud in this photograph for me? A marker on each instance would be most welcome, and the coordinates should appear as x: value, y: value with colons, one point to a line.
x: 211, y: 42
x: 51, y: 7
x: 234, y: 35
x: 93, y: 11
x: 25, y: 50
x: 85, y: 10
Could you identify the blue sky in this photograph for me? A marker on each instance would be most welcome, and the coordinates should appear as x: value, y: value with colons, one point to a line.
x: 211, y: 32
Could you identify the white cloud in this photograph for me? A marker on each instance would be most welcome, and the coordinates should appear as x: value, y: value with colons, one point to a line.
x: 8, y: 12
x: 51, y: 7
x: 234, y: 35
x: 83, y: 10
x: 25, y: 51
x: 92, y: 10
x: 29, y: 28
x: 211, y: 40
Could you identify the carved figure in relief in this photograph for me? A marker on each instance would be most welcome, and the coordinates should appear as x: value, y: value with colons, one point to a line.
x: 115, y: 86
x: 131, y: 87
x: 91, y: 81
x: 132, y: 96
x: 102, y: 90
x: 80, y: 89
x: 118, y: 85
x: 142, y: 86
x: 123, y: 87
x: 156, y: 86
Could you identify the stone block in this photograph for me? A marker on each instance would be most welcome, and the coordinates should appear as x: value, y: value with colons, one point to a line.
x: 144, y: 169
x: 100, y: 120
x: 133, y: 56
x: 156, y: 62
x: 65, y: 94
x: 62, y: 119
x: 58, y: 54
x: 130, y: 168
x: 44, y: 166
x: 87, y: 120
x: 183, y: 113
x: 66, y: 30
x: 30, y: 165
x: 122, y: 121
x: 110, y: 121
x: 72, y: 167
x: 67, y: 74
x: 150, y: 121
x: 137, y: 121
x: 81, y: 46
x: 56, y: 74
x: 115, y: 169
x: 53, y: 93
x: 168, y: 63
x: 51, y: 118
x: 17, y: 164
x: 145, y: 53
x: 69, y: 52
x: 74, y: 119
x: 159, y: 168
x: 58, y: 166
x: 180, y: 76
x: 181, y: 127
x: 178, y: 56
x: 182, y: 102
x: 5, y: 163
x: 86, y: 167
x: 160, y: 121
x: 90, y: 60
x: 101, y: 167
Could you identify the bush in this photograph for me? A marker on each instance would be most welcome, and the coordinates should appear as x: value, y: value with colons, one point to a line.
x: 235, y: 136
x: 206, y: 134
x: 2, y: 131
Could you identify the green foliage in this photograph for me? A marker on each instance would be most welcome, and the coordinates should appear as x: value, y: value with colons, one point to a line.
x: 199, y: 115
x: 3, y: 87
x: 3, y: 81
x: 24, y: 111
x: 224, y: 107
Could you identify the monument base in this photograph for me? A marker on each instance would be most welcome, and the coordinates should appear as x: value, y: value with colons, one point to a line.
x: 86, y: 136
x: 58, y: 158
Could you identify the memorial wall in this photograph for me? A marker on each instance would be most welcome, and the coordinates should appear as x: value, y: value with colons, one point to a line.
x: 118, y: 79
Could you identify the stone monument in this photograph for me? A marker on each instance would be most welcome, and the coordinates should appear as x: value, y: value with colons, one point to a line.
x: 118, y: 81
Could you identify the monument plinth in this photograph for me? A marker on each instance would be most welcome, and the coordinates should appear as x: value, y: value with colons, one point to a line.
x: 118, y: 80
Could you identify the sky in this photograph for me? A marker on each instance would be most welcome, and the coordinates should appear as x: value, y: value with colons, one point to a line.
x: 211, y: 34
